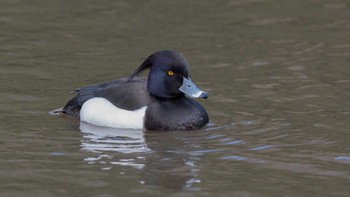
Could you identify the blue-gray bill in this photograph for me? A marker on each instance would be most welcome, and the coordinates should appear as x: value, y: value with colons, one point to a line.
x: 191, y: 90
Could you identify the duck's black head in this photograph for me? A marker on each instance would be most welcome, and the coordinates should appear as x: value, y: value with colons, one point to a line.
x: 169, y: 76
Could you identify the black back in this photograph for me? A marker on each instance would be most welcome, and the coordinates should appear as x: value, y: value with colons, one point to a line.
x: 128, y: 95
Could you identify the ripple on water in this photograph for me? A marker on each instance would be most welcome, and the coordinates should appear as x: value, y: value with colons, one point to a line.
x: 345, y: 159
x: 276, y: 144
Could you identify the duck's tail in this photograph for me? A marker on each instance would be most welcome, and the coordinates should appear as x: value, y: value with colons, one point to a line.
x: 56, y: 112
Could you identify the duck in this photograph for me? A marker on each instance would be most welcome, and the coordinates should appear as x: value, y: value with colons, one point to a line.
x: 162, y: 101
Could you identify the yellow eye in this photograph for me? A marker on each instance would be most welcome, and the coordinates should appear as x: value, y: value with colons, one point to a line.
x: 170, y: 73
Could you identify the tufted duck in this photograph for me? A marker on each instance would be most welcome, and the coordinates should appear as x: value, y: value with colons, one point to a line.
x: 159, y: 102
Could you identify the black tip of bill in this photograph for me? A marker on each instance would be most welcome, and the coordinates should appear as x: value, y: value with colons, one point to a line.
x: 204, y: 95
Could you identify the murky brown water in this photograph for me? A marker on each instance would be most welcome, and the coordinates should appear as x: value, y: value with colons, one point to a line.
x: 277, y: 73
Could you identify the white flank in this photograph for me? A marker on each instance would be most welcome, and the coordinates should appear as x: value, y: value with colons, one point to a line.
x: 99, y: 111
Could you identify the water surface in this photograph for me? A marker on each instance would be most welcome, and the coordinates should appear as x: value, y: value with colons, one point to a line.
x: 277, y: 74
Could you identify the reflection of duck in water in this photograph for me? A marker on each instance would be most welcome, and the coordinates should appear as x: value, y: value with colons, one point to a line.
x: 155, y: 103
x: 104, y: 142
x: 171, y: 165
x: 159, y: 156
x: 100, y: 139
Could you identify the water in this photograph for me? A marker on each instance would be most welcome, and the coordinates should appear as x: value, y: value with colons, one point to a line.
x: 277, y: 74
